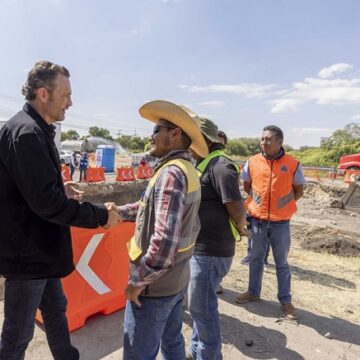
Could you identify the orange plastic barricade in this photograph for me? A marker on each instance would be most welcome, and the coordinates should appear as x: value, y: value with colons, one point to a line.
x: 125, y: 173
x: 65, y: 173
x: 95, y: 174
x: 351, y: 175
x: 98, y: 283
x: 101, y: 173
x: 144, y: 172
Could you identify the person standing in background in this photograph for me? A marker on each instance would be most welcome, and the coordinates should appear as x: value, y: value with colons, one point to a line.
x: 83, y: 166
x: 73, y: 164
x: 274, y: 181
x: 222, y: 218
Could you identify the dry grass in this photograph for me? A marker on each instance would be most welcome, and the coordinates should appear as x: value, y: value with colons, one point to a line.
x: 321, y: 283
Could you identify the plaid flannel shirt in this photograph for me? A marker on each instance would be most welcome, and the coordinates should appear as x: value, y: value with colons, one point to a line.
x: 169, y: 195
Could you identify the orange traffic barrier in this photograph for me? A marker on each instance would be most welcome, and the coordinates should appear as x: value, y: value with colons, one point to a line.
x: 144, y: 172
x: 351, y: 175
x: 125, y: 174
x: 98, y: 283
x: 95, y: 174
x: 65, y: 173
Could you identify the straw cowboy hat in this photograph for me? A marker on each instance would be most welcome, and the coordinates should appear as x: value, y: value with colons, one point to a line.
x: 180, y: 116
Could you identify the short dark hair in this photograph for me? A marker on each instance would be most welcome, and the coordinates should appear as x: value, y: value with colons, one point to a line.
x: 223, y: 135
x: 275, y: 129
x: 42, y: 74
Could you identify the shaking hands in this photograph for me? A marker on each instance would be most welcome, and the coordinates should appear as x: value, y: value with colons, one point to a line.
x: 114, y: 216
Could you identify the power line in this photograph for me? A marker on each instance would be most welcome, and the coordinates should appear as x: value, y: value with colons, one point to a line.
x: 83, y: 122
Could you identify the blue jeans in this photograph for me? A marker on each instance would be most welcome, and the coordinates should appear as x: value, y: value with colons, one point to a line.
x: 22, y: 298
x: 249, y: 251
x: 206, y: 273
x: 157, y: 321
x: 72, y: 170
x: 82, y: 175
x: 277, y: 234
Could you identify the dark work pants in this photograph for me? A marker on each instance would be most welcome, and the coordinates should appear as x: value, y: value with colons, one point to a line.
x: 22, y: 298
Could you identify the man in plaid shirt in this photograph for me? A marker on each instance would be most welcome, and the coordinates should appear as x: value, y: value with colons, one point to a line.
x: 167, y: 225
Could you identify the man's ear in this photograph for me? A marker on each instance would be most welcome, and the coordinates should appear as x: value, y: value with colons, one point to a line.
x: 177, y: 132
x: 42, y: 94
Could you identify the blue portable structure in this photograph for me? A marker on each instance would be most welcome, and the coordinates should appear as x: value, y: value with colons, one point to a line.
x: 105, y: 157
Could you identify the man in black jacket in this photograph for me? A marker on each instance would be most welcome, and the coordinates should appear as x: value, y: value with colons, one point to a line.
x: 36, y: 214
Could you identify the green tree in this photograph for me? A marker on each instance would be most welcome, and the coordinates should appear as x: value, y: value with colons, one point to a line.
x: 124, y: 141
x: 100, y: 132
x: 70, y: 135
x: 237, y: 148
x: 252, y: 145
x: 342, y: 142
x: 132, y: 143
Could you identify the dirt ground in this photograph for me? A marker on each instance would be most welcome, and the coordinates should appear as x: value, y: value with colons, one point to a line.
x: 325, y: 287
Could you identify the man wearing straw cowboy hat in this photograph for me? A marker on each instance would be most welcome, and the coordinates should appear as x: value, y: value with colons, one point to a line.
x: 167, y: 226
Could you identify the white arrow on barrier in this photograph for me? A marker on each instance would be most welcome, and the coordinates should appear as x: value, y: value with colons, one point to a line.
x: 123, y: 174
x: 84, y: 269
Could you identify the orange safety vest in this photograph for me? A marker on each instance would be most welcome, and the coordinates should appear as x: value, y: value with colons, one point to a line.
x: 271, y: 195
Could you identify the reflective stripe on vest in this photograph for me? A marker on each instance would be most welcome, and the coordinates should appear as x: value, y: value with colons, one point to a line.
x: 271, y: 196
x: 201, y: 167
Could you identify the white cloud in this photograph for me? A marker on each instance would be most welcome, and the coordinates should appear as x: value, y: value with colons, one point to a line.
x: 321, y: 91
x: 285, y: 105
x: 355, y: 117
x: 311, y: 131
x: 212, y: 103
x: 249, y: 90
x: 334, y: 69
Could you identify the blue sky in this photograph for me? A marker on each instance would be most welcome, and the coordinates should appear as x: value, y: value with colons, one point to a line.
x: 244, y: 64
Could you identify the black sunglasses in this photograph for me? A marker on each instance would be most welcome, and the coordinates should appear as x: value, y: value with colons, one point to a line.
x: 157, y: 128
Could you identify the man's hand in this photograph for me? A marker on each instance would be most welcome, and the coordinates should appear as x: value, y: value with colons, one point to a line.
x: 132, y: 293
x: 243, y: 228
x: 71, y: 191
x: 113, y: 219
x: 111, y: 206
x: 237, y: 212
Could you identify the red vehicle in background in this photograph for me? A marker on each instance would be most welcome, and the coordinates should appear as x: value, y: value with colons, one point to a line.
x: 348, y: 162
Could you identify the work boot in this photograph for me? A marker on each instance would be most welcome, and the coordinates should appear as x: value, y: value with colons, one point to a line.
x: 220, y: 289
x: 246, y: 297
x: 290, y: 311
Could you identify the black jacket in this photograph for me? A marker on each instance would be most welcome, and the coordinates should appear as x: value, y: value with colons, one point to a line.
x: 35, y: 213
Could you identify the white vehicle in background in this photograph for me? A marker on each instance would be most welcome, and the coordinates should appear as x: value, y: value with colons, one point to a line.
x: 65, y: 156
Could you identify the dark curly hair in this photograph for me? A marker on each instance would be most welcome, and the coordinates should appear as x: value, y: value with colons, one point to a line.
x: 42, y: 74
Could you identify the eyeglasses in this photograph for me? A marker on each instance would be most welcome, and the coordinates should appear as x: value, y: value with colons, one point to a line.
x: 157, y: 128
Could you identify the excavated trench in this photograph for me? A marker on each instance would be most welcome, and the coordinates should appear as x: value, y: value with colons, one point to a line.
x: 324, y: 225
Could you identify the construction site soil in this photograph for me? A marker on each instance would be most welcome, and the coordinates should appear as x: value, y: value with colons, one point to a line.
x: 322, y: 225
x: 325, y: 265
